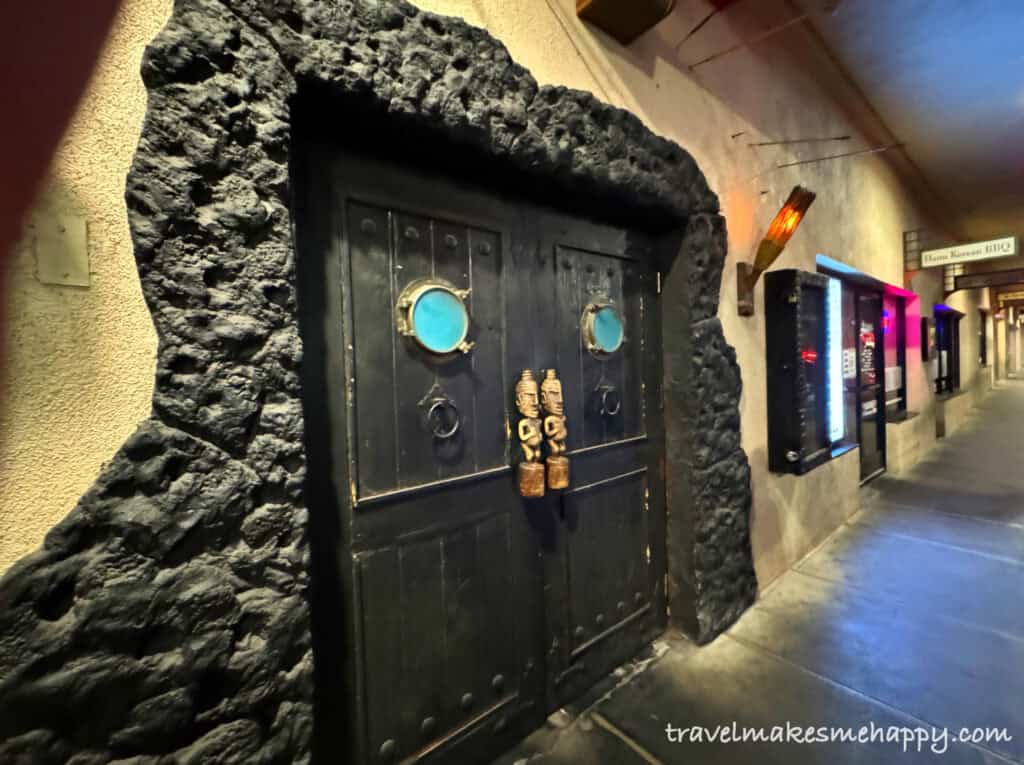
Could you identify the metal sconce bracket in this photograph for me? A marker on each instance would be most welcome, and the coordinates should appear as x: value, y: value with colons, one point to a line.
x: 745, y: 281
x: 781, y: 229
x: 747, y: 275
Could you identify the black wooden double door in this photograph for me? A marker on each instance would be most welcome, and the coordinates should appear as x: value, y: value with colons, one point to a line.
x: 472, y: 611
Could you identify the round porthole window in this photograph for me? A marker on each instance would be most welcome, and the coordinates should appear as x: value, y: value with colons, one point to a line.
x: 433, y: 312
x: 603, y: 329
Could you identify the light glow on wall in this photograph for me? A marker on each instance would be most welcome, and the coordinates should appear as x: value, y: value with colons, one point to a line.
x: 834, y: 352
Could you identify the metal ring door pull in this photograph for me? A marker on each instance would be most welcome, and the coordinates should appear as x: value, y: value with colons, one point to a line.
x: 443, y: 418
x: 611, y: 401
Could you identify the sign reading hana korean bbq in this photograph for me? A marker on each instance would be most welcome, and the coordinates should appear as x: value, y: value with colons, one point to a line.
x: 968, y: 253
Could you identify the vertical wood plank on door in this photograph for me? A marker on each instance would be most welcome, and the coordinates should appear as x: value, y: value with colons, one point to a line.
x: 455, y: 455
x: 421, y: 695
x: 631, y: 553
x: 613, y: 364
x: 593, y: 285
x: 499, y: 642
x: 592, y: 555
x: 654, y: 425
x: 489, y: 371
x: 414, y: 375
x: 463, y: 622
x: 370, y: 274
x: 570, y: 345
x: 381, y: 592
x: 633, y: 350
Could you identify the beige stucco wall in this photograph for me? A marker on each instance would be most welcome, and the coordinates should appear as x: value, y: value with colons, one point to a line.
x: 83, y: 359
x: 80, y: 359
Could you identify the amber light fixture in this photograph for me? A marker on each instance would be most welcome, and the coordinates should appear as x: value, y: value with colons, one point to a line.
x: 781, y: 229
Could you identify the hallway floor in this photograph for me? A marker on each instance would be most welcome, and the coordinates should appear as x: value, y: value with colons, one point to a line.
x: 911, y: 614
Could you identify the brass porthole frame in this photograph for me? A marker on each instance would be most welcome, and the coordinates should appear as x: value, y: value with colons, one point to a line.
x: 406, y: 304
x: 587, y: 327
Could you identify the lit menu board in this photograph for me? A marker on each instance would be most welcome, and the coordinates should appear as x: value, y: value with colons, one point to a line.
x: 834, y: 350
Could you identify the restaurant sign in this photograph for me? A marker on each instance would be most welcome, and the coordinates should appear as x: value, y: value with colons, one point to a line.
x: 968, y: 253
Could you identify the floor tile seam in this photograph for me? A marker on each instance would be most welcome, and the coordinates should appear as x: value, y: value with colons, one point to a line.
x: 929, y: 509
x: 937, y: 543
x: 894, y: 600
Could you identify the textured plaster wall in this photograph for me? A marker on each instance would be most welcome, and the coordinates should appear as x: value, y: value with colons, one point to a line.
x: 858, y: 218
x: 81, y: 360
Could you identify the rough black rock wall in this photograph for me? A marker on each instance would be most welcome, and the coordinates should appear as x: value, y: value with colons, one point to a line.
x: 711, y: 571
x: 167, y: 619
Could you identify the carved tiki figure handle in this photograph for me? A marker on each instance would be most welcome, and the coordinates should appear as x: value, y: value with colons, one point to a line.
x: 531, y: 471
x: 555, y: 429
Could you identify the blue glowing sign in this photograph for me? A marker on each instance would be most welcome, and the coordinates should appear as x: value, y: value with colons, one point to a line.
x: 834, y: 352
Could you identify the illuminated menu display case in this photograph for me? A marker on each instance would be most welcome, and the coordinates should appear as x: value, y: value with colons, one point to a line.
x: 801, y: 352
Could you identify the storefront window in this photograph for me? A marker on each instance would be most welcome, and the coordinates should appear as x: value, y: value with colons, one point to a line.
x: 982, y: 337
x: 851, y: 389
x: 867, y: 376
x: 894, y: 343
x: 947, y: 328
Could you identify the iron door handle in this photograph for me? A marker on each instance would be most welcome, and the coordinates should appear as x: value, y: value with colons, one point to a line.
x: 606, y: 400
x: 611, y: 401
x: 437, y: 419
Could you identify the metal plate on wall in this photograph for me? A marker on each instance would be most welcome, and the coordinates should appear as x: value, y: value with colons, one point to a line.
x: 61, y: 249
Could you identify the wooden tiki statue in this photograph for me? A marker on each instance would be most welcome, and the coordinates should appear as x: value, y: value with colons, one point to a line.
x: 555, y: 430
x: 531, y: 471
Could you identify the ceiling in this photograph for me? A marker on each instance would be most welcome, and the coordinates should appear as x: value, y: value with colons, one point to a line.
x: 947, y: 79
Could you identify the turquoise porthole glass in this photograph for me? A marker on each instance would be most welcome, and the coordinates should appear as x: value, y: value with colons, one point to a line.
x: 433, y: 312
x: 603, y: 328
x: 607, y: 330
x: 439, y: 320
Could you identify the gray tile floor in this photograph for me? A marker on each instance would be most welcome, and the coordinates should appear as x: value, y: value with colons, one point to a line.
x: 912, y: 614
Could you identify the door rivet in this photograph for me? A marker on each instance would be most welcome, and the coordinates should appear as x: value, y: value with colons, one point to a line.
x: 638, y: 597
x: 498, y: 682
x: 580, y: 632
x: 450, y: 241
x: 599, y: 619
x: 499, y: 725
x: 485, y: 248
x: 428, y: 725
x: 411, y: 233
x: 467, y: 700
x: 368, y: 226
x: 621, y: 605
x: 387, y: 749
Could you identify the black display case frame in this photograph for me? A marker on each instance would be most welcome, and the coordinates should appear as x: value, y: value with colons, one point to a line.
x: 796, y: 334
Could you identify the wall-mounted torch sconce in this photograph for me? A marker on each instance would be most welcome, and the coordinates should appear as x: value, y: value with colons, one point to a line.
x: 779, y: 232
